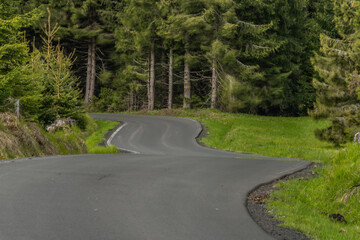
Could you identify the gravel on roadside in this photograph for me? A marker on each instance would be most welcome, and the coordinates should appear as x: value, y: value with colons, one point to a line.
x: 256, y: 206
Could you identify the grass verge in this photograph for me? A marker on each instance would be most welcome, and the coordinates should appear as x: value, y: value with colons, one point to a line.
x: 270, y: 136
x: 308, y: 205
x: 93, y: 141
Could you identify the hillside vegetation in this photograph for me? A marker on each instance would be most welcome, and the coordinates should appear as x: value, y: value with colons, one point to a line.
x: 307, y: 205
x: 20, y: 139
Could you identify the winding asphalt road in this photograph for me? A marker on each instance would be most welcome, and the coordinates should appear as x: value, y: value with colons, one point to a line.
x: 172, y: 189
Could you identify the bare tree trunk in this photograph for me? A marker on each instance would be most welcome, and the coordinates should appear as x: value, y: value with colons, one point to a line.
x: 91, y: 71
x: 152, y: 78
x: 131, y: 100
x: 187, y: 80
x: 88, y: 74
x: 171, y: 79
x: 214, y: 82
x: 148, y: 85
x: 163, y: 63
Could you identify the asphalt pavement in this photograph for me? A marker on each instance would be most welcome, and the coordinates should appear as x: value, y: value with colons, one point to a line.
x: 168, y: 188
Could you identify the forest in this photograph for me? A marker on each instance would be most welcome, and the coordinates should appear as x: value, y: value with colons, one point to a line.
x: 265, y: 57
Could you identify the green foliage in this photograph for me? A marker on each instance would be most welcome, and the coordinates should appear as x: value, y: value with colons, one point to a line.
x: 264, y: 47
x: 286, y: 137
x: 60, y: 94
x: 13, y: 55
x: 93, y: 141
x: 337, y: 67
x: 305, y: 205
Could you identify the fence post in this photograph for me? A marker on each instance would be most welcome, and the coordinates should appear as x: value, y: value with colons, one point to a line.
x: 17, y: 108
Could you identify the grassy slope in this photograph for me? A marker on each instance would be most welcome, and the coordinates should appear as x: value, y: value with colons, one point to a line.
x: 305, y: 205
x: 92, y: 142
x: 302, y: 205
x: 22, y: 139
x: 270, y: 136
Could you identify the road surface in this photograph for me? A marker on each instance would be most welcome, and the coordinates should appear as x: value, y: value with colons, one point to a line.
x: 169, y: 188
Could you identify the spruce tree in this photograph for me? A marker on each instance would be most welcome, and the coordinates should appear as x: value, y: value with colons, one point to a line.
x: 139, y: 22
x: 14, y: 53
x: 90, y: 23
x: 186, y: 26
x: 242, y: 42
x: 338, y: 69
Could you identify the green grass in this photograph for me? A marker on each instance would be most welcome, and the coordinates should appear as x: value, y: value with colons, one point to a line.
x: 68, y: 141
x: 93, y: 141
x: 305, y: 205
x: 270, y: 136
x: 300, y: 204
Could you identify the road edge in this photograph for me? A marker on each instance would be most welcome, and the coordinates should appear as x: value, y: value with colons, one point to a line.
x: 256, y: 207
x: 278, y: 232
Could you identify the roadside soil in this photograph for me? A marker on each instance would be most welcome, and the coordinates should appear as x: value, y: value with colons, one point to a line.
x: 256, y: 206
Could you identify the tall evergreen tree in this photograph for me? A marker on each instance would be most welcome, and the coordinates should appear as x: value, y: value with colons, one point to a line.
x: 244, y: 41
x: 186, y: 25
x: 338, y: 68
x: 89, y: 22
x: 14, y: 52
x: 139, y: 22
x: 215, y: 15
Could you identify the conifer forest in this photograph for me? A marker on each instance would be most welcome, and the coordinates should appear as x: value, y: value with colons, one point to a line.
x: 265, y: 57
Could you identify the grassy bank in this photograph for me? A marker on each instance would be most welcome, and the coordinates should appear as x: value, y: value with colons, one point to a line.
x: 98, y: 136
x: 20, y: 139
x: 307, y: 205
x: 301, y: 204
x: 270, y: 136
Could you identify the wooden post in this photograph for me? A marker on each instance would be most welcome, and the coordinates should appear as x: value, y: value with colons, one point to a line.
x: 214, y: 84
x: 17, y: 108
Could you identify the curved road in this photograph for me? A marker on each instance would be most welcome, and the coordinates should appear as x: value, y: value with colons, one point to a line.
x: 174, y: 189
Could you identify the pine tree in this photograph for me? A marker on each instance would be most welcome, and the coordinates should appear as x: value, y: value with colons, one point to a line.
x: 243, y: 41
x: 61, y: 95
x: 90, y: 23
x: 139, y: 22
x: 186, y: 26
x: 338, y: 68
x: 14, y: 53
x: 215, y: 15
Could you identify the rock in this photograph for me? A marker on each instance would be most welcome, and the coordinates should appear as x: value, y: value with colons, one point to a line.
x: 338, y: 217
x: 60, y: 124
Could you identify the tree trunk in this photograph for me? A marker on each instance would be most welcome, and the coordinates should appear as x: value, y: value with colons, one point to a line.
x: 214, y: 82
x: 152, y: 78
x: 163, y: 64
x: 91, y: 71
x: 131, y: 100
x: 187, y: 83
x: 88, y: 74
x: 171, y: 79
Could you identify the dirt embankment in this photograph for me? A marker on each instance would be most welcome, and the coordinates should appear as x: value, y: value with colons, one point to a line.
x: 20, y: 139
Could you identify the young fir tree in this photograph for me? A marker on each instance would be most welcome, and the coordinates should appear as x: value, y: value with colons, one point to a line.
x: 338, y: 68
x: 61, y: 95
x: 90, y: 23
